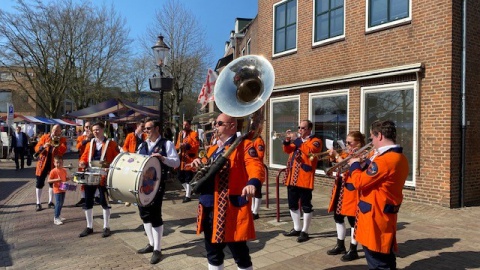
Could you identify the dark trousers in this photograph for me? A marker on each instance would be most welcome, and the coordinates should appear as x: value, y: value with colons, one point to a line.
x: 341, y: 219
x: 215, y: 254
x: 304, y: 195
x: 19, y: 153
x: 90, y: 196
x: 185, y: 176
x: 40, y: 183
x: 381, y: 261
x: 153, y: 213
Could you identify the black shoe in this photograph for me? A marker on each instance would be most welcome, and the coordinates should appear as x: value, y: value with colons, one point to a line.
x: 303, y: 237
x: 292, y: 232
x: 106, y: 232
x: 186, y: 199
x: 351, y: 254
x: 86, y: 232
x: 256, y: 216
x: 80, y: 203
x: 339, y: 248
x: 51, y: 205
x: 156, y: 257
x: 145, y: 250
x: 38, y: 207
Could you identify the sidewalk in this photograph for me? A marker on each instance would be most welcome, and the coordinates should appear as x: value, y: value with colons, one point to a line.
x: 429, y: 237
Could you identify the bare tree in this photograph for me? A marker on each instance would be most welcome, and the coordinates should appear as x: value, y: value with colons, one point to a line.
x: 189, y: 53
x: 62, y: 49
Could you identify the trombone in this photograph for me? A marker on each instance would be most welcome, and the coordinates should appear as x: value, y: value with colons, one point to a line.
x: 343, y: 166
x: 55, y: 142
x: 323, y: 155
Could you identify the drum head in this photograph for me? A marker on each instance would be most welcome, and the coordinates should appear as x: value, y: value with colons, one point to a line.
x: 149, y: 181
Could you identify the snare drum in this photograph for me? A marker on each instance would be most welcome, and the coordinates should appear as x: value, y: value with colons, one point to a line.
x: 134, y: 178
x: 91, y: 177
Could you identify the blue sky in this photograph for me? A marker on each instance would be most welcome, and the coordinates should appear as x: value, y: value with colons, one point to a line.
x: 216, y: 16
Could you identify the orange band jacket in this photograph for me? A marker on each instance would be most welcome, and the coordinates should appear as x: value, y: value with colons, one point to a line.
x: 190, y: 151
x: 54, y: 151
x: 380, y: 196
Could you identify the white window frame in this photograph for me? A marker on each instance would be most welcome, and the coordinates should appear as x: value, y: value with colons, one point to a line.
x: 328, y: 40
x: 248, y: 46
x: 389, y: 24
x: 272, y: 102
x: 396, y: 87
x: 341, y: 92
x: 273, y: 31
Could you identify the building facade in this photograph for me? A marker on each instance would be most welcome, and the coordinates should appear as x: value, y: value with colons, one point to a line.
x: 344, y: 63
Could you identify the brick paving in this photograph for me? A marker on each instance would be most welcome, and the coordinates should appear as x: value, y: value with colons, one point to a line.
x: 429, y: 237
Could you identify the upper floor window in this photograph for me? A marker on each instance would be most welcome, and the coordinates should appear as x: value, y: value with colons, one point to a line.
x: 388, y: 12
x: 285, y: 27
x: 6, y: 76
x: 329, y: 19
x: 249, y: 43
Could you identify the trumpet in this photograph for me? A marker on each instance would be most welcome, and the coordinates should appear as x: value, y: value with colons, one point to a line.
x: 343, y: 165
x: 276, y: 135
x: 321, y: 155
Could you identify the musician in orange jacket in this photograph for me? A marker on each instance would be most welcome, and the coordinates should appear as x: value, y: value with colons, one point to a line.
x: 380, y: 187
x: 100, y: 153
x: 233, y: 225
x: 47, y: 150
x: 82, y: 141
x: 300, y: 176
x: 135, y: 139
x: 259, y: 145
x: 187, y: 147
x: 343, y: 202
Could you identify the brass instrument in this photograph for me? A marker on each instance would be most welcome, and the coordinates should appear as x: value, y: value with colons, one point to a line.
x: 55, y: 142
x: 242, y: 88
x: 282, y: 135
x: 321, y: 155
x: 343, y: 166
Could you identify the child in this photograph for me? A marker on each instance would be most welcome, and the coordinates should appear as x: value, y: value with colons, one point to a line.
x: 57, y: 176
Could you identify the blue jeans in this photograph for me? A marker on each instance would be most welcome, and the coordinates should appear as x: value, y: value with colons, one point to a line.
x: 59, y: 199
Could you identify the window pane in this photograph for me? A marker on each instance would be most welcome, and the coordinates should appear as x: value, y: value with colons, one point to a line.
x: 378, y: 12
x: 280, y: 16
x: 280, y: 40
x: 329, y: 121
x: 336, y: 26
x: 398, y: 9
x: 284, y: 116
x: 291, y: 12
x: 322, y: 27
x: 322, y: 6
x: 337, y: 3
x: 291, y: 37
x: 398, y: 107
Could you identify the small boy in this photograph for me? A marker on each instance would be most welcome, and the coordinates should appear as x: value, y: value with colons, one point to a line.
x: 57, y: 176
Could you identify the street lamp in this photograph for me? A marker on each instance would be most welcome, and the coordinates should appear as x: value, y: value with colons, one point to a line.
x: 160, y: 84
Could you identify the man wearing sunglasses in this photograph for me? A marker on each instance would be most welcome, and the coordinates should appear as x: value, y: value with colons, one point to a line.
x: 163, y: 149
x: 300, y: 176
x: 380, y: 188
x: 224, y: 213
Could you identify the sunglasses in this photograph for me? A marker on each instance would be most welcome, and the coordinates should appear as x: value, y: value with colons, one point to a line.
x: 220, y: 123
x: 349, y: 143
x: 148, y: 128
x: 302, y: 127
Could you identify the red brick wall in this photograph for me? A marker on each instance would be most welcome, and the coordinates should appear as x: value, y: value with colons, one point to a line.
x: 433, y: 38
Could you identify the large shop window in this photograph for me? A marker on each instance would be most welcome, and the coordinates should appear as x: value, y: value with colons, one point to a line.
x: 329, y: 19
x: 396, y: 102
x: 285, y: 28
x: 388, y: 12
x: 284, y: 115
x: 328, y: 112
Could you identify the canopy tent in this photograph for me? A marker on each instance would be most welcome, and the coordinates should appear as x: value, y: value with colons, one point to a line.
x: 121, y: 107
x: 18, y: 118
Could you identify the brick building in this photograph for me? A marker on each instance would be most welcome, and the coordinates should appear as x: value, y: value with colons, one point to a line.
x: 345, y: 63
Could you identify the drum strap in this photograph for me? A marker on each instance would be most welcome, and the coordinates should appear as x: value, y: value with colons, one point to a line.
x: 104, y: 150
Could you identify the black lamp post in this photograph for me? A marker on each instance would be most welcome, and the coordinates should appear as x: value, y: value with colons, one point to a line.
x: 160, y: 84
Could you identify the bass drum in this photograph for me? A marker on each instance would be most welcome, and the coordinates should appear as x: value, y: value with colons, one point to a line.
x: 134, y: 178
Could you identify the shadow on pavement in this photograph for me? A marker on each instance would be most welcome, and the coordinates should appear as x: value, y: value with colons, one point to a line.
x: 9, y: 187
x: 6, y: 259
x: 447, y: 260
x: 411, y: 247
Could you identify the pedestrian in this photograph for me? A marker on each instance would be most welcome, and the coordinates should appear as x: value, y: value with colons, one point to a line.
x: 380, y: 188
x: 343, y: 202
x: 224, y: 213
x: 57, y: 176
x: 300, y: 176
x: 99, y: 154
x: 187, y: 147
x: 164, y: 150
x: 49, y: 145
x: 20, y: 147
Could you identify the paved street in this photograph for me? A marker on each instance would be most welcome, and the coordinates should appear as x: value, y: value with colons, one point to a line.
x: 429, y: 237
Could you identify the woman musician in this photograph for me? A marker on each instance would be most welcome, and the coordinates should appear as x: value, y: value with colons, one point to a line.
x: 187, y: 147
x: 344, y: 199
